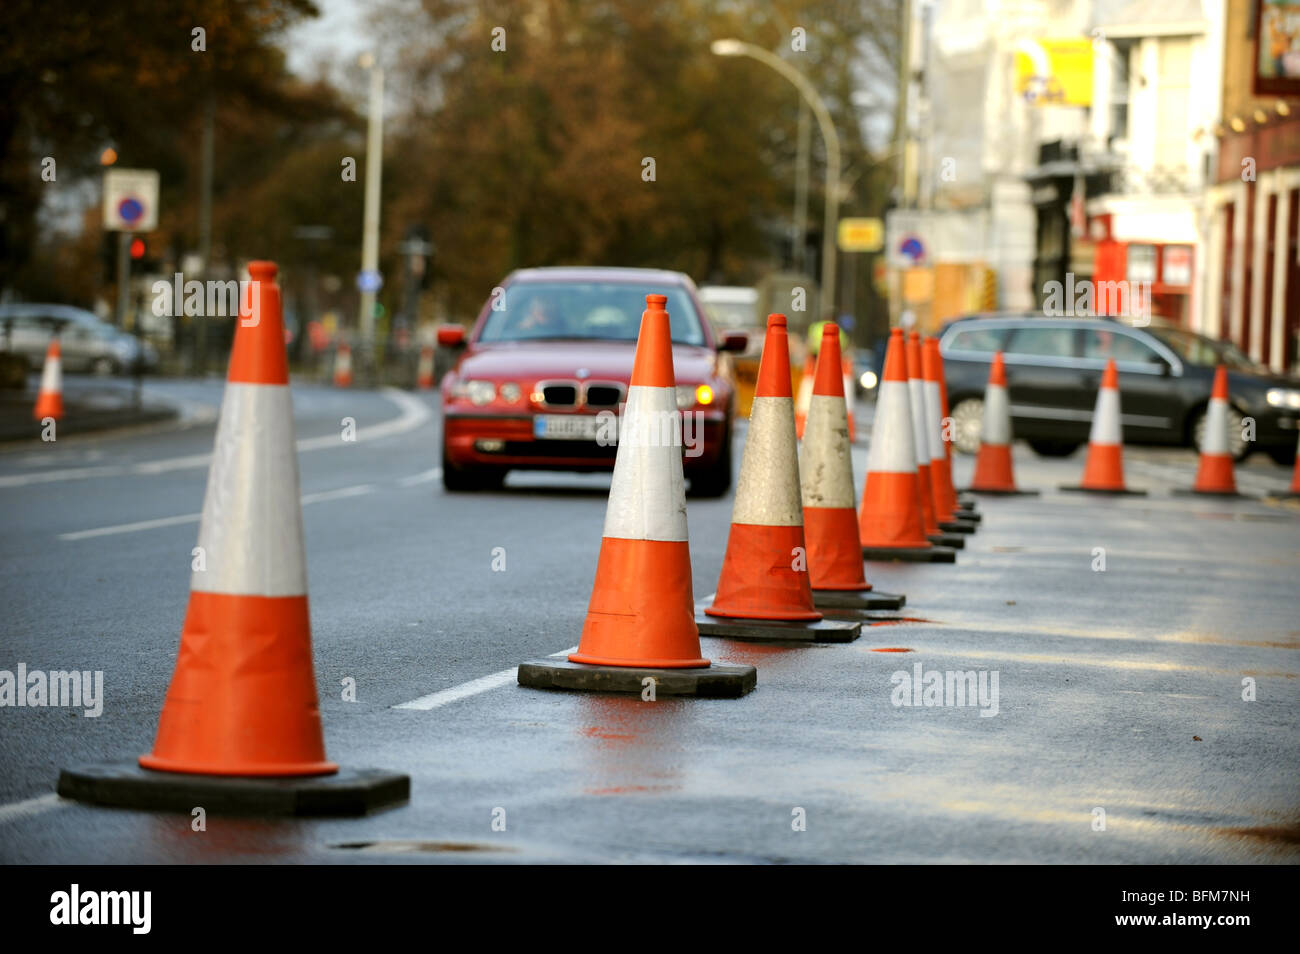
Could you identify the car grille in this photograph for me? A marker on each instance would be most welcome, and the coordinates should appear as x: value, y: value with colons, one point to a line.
x: 560, y: 395
x: 604, y: 395
x: 589, y: 450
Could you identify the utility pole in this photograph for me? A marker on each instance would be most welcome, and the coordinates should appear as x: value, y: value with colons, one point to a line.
x: 206, y: 139
x: 800, y: 249
x: 370, y: 227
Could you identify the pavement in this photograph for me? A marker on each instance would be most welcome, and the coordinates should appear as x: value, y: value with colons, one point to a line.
x: 1119, y: 690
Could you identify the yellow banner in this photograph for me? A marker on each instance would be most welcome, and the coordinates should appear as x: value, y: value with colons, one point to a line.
x: 1055, y: 72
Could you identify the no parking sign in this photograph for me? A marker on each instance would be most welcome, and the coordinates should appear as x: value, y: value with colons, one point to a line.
x: 131, y: 200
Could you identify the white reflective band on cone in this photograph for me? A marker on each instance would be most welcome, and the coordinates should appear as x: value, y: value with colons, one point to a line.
x: 768, y: 492
x: 893, y: 445
x: 995, y: 430
x: 1215, y: 438
x: 934, y: 420
x: 647, y: 494
x: 251, y: 529
x: 51, y: 375
x: 1105, y: 419
x: 920, y: 442
x: 824, y: 465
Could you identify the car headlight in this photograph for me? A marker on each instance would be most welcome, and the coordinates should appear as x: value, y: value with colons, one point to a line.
x: 1284, y: 397
x: 868, y: 380
x: 689, y: 395
x: 479, y: 392
x: 510, y: 392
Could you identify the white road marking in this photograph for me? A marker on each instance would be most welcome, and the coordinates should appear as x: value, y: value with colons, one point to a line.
x: 28, y: 808
x: 413, y: 413
x: 472, y: 688
x: 423, y: 478
x: 323, y: 495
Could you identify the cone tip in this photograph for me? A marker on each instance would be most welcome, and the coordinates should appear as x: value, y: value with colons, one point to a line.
x: 656, y: 302
x: 262, y: 271
x: 776, y: 321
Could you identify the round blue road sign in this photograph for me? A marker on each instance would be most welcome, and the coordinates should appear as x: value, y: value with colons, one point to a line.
x: 130, y: 209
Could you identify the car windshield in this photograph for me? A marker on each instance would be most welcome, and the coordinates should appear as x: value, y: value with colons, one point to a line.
x: 601, y: 311
x: 1198, y: 349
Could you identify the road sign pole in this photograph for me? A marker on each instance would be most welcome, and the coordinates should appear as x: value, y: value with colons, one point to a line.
x: 123, y: 277
x: 370, y: 214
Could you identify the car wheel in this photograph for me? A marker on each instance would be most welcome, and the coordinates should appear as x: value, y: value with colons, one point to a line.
x: 715, y: 481
x: 967, y: 422
x: 469, y: 479
x: 1238, y: 446
x: 103, y: 367
x: 1054, y: 448
x: 1283, y: 455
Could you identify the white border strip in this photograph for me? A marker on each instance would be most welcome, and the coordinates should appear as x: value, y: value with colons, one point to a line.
x: 474, y: 687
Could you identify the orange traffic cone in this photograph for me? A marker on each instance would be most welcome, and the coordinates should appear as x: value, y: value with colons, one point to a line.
x: 890, y: 524
x: 640, y: 621
x: 994, y: 472
x: 849, y: 392
x: 424, y: 373
x: 921, y: 438
x: 242, y: 701
x: 963, y: 507
x: 945, y: 496
x: 343, y: 366
x: 49, y: 402
x: 1103, y: 473
x: 1215, y: 474
x: 804, y: 397
x: 1294, y: 490
x: 829, y: 510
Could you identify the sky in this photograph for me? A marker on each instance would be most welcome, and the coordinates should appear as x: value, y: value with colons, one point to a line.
x: 339, y: 32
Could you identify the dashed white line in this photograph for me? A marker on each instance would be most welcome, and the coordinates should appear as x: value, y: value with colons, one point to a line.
x: 422, y: 478
x: 474, y: 687
x: 28, y: 808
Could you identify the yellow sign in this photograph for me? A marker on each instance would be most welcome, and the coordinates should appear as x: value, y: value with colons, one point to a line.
x: 861, y: 235
x: 1055, y: 72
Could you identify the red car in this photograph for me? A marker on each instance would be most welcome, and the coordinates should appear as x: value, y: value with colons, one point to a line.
x: 552, y: 350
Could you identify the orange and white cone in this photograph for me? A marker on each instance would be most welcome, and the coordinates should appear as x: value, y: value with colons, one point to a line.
x: 1294, y: 490
x: 963, y: 507
x: 343, y: 366
x: 1103, y: 472
x: 1216, y: 474
x: 921, y: 439
x: 243, y: 697
x: 803, y: 399
x: 830, y: 511
x: 424, y: 372
x: 849, y: 392
x: 49, y: 402
x: 764, y: 572
x: 890, y: 524
x: 994, y: 472
x: 642, y: 613
x: 944, y: 495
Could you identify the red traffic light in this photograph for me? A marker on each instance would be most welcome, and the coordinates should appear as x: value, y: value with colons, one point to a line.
x: 137, y: 248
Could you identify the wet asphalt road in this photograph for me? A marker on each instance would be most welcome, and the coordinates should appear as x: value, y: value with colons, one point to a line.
x: 1118, y: 689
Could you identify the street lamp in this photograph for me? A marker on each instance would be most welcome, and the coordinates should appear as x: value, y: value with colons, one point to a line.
x: 733, y: 47
x: 370, y: 215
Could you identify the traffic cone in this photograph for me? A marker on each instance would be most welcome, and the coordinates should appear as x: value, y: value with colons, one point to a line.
x: 240, y: 728
x: 1103, y: 473
x: 945, y: 496
x: 921, y: 440
x: 1215, y: 474
x: 964, y: 507
x: 849, y: 392
x: 49, y: 402
x: 804, y: 397
x: 640, y: 621
x: 343, y: 366
x: 829, y: 510
x: 765, y: 570
x: 890, y: 524
x: 424, y: 373
x: 1294, y: 491
x: 994, y: 473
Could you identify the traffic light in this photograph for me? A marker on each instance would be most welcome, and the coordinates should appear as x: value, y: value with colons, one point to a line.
x: 138, y: 249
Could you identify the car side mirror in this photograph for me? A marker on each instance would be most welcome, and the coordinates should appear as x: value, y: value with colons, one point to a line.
x: 734, y: 342
x: 451, y: 336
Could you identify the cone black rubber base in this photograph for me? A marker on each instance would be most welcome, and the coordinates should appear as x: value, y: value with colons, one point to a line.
x: 954, y: 540
x: 778, y: 630
x: 1289, y: 495
x: 127, y: 785
x: 968, y: 514
x: 1231, y: 494
x: 1006, y: 493
x: 710, y: 682
x: 910, y: 554
x: 1109, y: 493
x: 857, y: 600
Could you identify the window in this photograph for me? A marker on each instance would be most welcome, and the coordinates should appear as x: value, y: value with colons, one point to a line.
x: 1103, y: 343
x: 977, y: 339
x: 584, y: 311
x: 1042, y: 342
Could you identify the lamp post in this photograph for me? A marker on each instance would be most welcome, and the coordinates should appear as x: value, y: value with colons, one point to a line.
x: 370, y: 214
x: 732, y: 47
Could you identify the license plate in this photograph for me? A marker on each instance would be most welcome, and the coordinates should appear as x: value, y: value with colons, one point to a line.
x: 571, y: 427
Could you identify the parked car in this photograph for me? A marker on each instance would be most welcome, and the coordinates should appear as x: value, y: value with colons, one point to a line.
x: 1054, y: 369
x: 553, y: 350
x: 85, y: 342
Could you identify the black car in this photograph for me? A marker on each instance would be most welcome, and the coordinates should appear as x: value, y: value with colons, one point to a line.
x: 1054, y: 369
